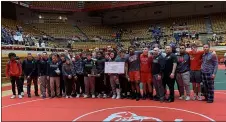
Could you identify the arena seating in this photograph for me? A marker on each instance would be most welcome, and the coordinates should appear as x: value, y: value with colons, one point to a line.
x: 92, y: 45
x: 59, y: 30
x: 56, y: 4
x: 218, y: 23
x: 101, y: 31
x: 11, y: 24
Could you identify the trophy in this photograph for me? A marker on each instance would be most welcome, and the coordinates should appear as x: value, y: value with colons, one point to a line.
x: 94, y: 71
x: 57, y: 71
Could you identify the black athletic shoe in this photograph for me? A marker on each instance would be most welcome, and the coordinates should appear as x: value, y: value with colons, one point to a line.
x: 162, y: 100
x: 209, y: 101
x: 29, y: 95
x: 156, y: 98
x: 170, y: 100
x: 43, y: 96
x: 37, y: 95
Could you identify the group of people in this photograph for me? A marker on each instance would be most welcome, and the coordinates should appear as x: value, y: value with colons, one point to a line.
x: 82, y: 75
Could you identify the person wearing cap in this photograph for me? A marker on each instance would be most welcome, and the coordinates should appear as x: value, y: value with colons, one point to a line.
x: 14, y: 71
x: 69, y: 74
x: 29, y: 67
x: 53, y: 74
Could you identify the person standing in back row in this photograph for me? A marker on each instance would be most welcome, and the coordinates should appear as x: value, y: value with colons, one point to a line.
x: 209, y: 69
x: 169, y: 72
x: 29, y: 67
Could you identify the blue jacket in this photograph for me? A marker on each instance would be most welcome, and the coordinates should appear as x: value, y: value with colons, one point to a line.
x: 79, y: 66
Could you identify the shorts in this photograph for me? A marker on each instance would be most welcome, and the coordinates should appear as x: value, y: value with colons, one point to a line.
x: 195, y: 76
x: 134, y: 76
x: 145, y: 77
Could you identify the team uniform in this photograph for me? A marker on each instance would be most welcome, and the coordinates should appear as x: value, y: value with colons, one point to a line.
x: 145, y: 68
x: 134, y: 67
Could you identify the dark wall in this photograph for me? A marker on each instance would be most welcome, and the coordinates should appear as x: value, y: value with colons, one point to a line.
x: 8, y: 10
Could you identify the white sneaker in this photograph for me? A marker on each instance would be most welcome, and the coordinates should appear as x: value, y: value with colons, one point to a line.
x: 104, y: 96
x: 13, y: 96
x: 99, y: 96
x: 20, y: 96
x: 93, y: 96
x: 70, y: 97
x: 114, y: 96
x: 199, y: 98
x: 182, y: 97
x: 85, y: 96
x: 78, y: 95
x: 118, y: 97
x: 22, y: 93
x: 66, y: 97
x: 194, y: 97
x: 187, y: 98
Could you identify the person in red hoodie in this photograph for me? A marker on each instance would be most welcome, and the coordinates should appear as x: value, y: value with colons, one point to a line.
x: 145, y: 73
x: 14, y: 71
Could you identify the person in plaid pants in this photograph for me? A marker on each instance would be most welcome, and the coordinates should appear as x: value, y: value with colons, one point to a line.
x: 209, y: 69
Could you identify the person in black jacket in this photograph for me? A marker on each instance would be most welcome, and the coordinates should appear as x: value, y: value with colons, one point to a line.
x: 62, y: 86
x: 42, y: 73
x: 158, y: 65
x: 53, y: 74
x: 29, y: 67
x: 100, y: 85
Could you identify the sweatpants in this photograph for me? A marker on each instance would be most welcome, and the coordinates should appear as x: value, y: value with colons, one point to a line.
x: 208, y: 83
x: 100, y: 86
x: 68, y: 85
x: 15, y: 81
x: 170, y: 83
x: 89, y: 85
x: 35, y: 81
x: 80, y: 84
x: 43, y: 85
x: 114, y: 80
x: 53, y: 81
x: 183, y: 80
x: 158, y: 86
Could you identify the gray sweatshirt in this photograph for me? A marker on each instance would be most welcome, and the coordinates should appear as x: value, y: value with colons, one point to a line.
x: 209, y: 63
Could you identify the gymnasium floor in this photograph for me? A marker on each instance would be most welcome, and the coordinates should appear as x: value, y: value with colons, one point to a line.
x: 37, y: 109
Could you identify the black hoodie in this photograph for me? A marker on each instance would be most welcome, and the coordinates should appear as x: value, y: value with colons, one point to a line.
x: 100, y: 63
